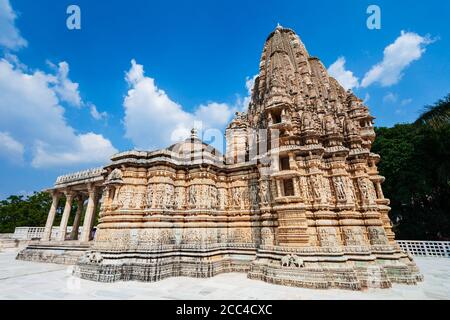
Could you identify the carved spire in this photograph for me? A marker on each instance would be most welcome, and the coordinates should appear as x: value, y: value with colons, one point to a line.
x: 291, y: 82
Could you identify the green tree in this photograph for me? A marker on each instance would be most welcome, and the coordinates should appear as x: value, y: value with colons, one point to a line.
x: 437, y: 115
x: 17, y: 211
x: 32, y: 211
x: 415, y: 159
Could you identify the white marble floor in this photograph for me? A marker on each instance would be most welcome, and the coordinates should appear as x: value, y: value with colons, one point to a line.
x: 29, y: 280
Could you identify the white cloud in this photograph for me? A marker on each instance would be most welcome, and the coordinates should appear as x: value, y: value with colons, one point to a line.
x: 407, y: 48
x: 84, y: 148
x: 249, y: 83
x: 95, y: 113
x: 66, y: 89
x: 10, y: 37
x: 344, y: 77
x: 154, y: 120
x: 390, y: 98
x: 405, y: 102
x: 32, y: 114
x: 10, y: 148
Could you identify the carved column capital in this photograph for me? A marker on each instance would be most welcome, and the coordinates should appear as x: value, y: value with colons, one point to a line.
x: 56, y: 194
x: 69, y: 194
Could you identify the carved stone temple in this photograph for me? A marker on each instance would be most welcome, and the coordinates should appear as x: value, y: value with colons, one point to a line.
x: 296, y: 199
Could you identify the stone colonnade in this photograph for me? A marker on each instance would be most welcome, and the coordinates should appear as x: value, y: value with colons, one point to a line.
x: 73, y: 194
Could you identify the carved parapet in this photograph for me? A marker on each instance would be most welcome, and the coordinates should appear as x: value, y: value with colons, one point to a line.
x: 86, y: 176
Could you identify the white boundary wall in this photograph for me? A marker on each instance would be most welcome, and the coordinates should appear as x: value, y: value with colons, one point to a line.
x: 435, y: 249
x: 35, y: 233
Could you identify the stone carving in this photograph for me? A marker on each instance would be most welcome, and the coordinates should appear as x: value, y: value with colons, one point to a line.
x: 214, y: 197
x: 236, y: 197
x: 92, y: 257
x: 192, y: 196
x: 377, y: 236
x: 340, y: 188
x: 368, y: 193
x: 140, y: 202
x: 254, y: 195
x: 317, y: 187
x: 150, y: 191
x: 115, y: 176
x: 292, y: 260
x: 223, y: 198
x: 168, y: 197
x: 267, y: 236
x: 80, y: 176
x: 353, y: 236
x: 328, y: 237
x: 265, y: 192
x: 179, y: 198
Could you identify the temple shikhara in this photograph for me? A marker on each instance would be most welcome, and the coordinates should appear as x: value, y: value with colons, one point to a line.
x: 296, y: 198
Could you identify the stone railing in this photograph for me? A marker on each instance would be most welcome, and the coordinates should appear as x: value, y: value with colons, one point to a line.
x: 78, y: 176
x: 435, y: 249
x: 35, y: 233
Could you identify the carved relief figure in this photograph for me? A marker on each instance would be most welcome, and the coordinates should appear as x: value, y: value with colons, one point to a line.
x: 115, y: 175
x: 179, y: 198
x: 192, y: 196
x: 150, y: 196
x: 367, y: 190
x: 292, y: 260
x: 236, y: 197
x: 328, y: 237
x: 140, y: 202
x: 340, y: 187
x: 326, y: 195
x: 304, y: 188
x: 168, y: 196
x: 353, y: 236
x: 316, y: 186
x: 254, y: 195
x: 267, y: 236
x: 213, y: 197
x: 265, y: 192
x: 377, y: 235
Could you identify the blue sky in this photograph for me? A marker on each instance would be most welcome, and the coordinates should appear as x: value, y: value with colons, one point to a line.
x: 139, y: 73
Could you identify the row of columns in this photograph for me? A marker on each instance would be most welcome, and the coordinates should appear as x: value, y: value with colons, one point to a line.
x: 89, y: 217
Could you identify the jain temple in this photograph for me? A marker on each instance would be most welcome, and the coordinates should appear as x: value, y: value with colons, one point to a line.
x: 295, y: 200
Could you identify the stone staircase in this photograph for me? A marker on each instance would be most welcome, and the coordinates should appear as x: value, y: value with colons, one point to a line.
x: 8, y: 242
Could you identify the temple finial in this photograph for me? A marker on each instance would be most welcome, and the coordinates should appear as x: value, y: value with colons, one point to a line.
x: 194, y: 133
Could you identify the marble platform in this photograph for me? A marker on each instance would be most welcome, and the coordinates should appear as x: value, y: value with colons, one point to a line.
x: 30, y: 280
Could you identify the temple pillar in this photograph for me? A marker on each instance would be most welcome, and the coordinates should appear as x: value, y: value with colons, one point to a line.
x: 292, y: 163
x: 379, y: 190
x: 76, y: 221
x: 51, y: 216
x: 89, y: 216
x: 296, y: 182
x: 65, y: 217
x: 279, y: 193
x: 96, y: 205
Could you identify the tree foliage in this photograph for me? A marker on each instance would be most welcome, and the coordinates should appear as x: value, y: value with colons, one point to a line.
x: 415, y: 159
x: 437, y: 115
x: 32, y: 211
x: 18, y: 211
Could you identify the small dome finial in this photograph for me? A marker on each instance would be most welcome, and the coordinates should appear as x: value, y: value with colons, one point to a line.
x: 279, y: 26
x: 194, y: 133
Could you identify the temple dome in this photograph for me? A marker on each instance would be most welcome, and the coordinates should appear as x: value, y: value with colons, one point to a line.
x: 194, y: 148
